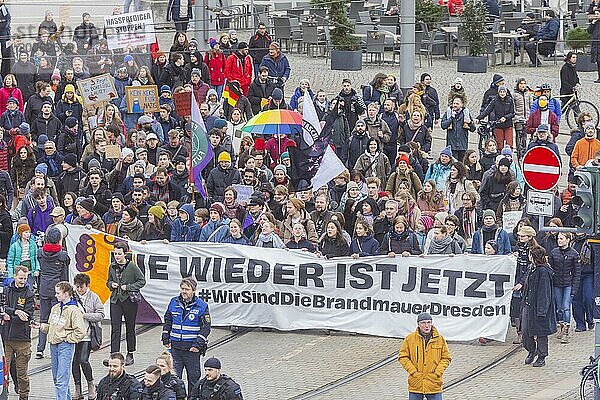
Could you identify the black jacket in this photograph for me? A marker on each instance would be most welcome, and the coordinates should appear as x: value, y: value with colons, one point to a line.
x: 224, y: 388
x: 18, y: 299
x: 566, y: 268
x: 541, y: 313
x: 499, y: 108
x: 50, y: 127
x: 6, y: 232
x: 258, y: 91
x: 125, y: 387
x: 568, y: 78
x: 158, y: 391
x: 334, y: 248
x: 54, y: 268
x: 69, y: 181
x: 220, y: 179
x: 175, y: 384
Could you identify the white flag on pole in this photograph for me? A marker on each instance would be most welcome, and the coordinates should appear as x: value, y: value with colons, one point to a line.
x: 311, y: 127
x: 331, y: 166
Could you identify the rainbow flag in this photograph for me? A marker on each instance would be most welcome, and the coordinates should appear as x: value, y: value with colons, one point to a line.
x: 202, y: 152
x: 232, y: 94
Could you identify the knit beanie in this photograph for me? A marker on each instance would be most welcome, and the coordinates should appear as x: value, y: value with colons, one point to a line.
x: 157, y: 212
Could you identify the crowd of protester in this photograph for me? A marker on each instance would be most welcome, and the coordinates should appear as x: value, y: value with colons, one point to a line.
x: 397, y: 197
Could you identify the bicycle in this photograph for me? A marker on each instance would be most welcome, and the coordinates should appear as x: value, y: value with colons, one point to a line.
x: 485, y: 130
x: 589, y: 379
x: 574, y: 107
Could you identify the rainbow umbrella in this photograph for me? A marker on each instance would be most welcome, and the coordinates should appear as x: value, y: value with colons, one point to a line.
x: 272, y: 122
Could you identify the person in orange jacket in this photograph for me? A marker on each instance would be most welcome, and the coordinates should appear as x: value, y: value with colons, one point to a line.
x: 585, y: 149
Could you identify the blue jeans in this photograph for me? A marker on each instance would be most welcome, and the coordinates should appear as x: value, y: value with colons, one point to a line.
x: 191, y: 362
x: 583, y: 302
x: 219, y: 89
x: 419, y: 396
x: 62, y: 357
x: 137, y: 5
x: 562, y: 300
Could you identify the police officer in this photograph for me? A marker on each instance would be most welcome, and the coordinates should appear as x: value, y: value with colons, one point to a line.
x: 154, y: 388
x: 118, y: 385
x: 186, y: 330
x: 215, y: 385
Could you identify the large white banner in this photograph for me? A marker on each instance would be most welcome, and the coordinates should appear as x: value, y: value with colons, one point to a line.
x: 132, y: 29
x: 468, y: 296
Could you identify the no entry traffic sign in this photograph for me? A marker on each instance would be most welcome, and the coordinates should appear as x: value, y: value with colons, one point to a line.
x: 541, y: 168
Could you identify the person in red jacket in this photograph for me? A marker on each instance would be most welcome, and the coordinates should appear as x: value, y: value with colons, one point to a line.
x: 239, y: 67
x: 9, y: 90
x: 215, y: 60
x: 542, y: 115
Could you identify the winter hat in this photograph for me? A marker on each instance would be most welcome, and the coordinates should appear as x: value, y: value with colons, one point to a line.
x: 277, y: 94
x: 151, y: 136
x: 502, y: 88
x: 53, y: 236
x: 157, y: 212
x: 351, y: 185
x: 274, y: 45
x: 46, y: 102
x: 23, y: 228
x: 427, y: 222
x: 458, y: 81
x: 360, y: 122
x: 504, y: 161
x: 256, y: 200
x: 494, y: 245
x: 145, y: 119
x: 506, y: 151
x: 497, y: 79
x: 140, y: 163
x: 71, y: 122
x: 543, y: 128
x: 25, y: 128
x: 232, y: 32
x: 259, y: 144
x: 87, y: 204
x: 12, y: 100
x: 70, y: 159
x: 526, y: 231
x: 128, y: 58
x: 165, y: 88
x: 441, y: 217
x: 43, y: 168
x: 218, y: 207
x: 194, y: 42
x: 57, y: 211
x: 212, y: 42
x: 211, y: 92
x: 424, y: 317
x: 118, y: 196
x: 489, y: 213
x: 55, y: 75
x: 69, y: 88
x: 280, y: 167
x: 140, y: 150
x: 224, y: 156
x: 589, y: 125
x: 212, y: 363
x: 284, y: 155
x: 447, y: 151
x: 125, y: 152
x: 220, y: 123
x: 404, y: 158
x: 85, y: 14
x: 195, y: 71
x: 94, y: 163
x: 132, y: 211
x: 242, y: 45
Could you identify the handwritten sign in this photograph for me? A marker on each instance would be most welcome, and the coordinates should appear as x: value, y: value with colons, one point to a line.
x: 96, y: 90
x: 510, y: 219
x: 64, y: 13
x: 131, y: 29
x: 183, y: 103
x: 112, y: 151
x: 243, y: 193
x: 540, y: 203
x: 141, y: 99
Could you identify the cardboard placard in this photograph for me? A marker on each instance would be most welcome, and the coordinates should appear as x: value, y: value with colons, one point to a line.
x: 96, y: 90
x: 64, y: 13
x: 183, y: 103
x: 112, y: 151
x: 244, y: 192
x: 142, y: 99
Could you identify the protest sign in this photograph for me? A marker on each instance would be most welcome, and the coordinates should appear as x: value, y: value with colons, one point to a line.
x: 243, y: 193
x: 112, y: 151
x: 468, y: 295
x: 183, y: 103
x: 142, y: 99
x: 96, y: 90
x: 131, y: 29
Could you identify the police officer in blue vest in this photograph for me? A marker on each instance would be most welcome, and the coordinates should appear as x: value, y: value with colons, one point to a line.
x: 186, y: 330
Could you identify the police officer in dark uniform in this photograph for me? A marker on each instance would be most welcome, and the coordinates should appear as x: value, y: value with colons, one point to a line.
x: 153, y: 386
x: 186, y: 330
x: 118, y: 385
x: 215, y: 385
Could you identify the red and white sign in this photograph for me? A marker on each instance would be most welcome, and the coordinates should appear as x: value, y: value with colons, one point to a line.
x: 541, y: 168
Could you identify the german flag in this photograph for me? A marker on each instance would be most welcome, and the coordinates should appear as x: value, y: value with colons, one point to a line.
x: 232, y: 92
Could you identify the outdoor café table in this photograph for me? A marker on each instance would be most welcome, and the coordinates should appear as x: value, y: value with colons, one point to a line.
x: 508, y: 38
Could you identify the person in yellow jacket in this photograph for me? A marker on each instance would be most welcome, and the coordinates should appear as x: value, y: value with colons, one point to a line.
x: 425, y: 356
x: 65, y: 328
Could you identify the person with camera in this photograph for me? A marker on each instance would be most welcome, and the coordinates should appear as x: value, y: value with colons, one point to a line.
x: 118, y: 384
x: 124, y: 281
x: 18, y: 303
x: 93, y: 314
x: 215, y: 385
x: 186, y: 330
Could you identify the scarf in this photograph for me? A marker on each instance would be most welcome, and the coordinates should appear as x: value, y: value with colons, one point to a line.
x: 413, y: 126
x: 440, y: 246
x: 401, y: 237
x: 231, y: 210
x: 52, y: 248
x: 468, y: 223
x: 271, y: 237
x: 128, y: 226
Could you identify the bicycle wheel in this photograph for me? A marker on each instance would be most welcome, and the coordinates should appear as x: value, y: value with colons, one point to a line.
x: 588, y: 384
x: 584, y: 106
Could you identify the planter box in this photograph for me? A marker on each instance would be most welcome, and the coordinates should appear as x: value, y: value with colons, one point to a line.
x: 346, y: 60
x: 584, y: 63
x: 472, y: 65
